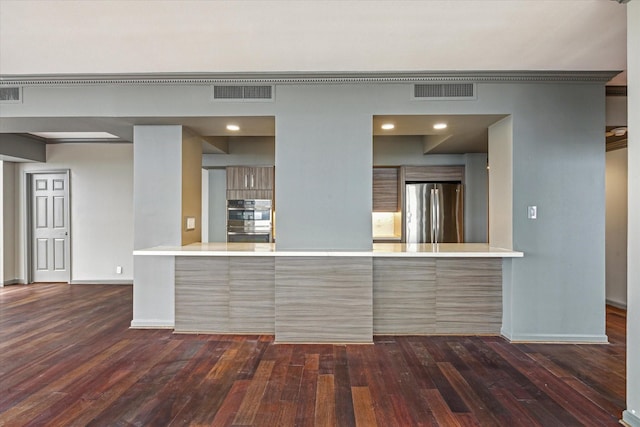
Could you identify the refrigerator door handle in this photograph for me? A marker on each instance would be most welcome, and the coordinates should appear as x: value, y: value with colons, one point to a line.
x: 432, y: 215
x: 437, y: 209
x: 440, y: 217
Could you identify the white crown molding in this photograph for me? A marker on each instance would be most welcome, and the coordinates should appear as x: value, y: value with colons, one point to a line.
x: 309, y: 78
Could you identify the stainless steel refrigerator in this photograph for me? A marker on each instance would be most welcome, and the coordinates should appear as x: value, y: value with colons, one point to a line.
x: 434, y: 212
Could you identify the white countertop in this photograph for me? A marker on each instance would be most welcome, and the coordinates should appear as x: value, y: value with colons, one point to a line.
x: 427, y: 250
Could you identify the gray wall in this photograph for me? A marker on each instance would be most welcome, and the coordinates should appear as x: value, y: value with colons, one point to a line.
x: 157, y: 181
x: 323, y: 168
x: 616, y: 231
x: 632, y: 413
x: 157, y: 208
x: 244, y: 151
x: 323, y: 179
x: 558, y: 165
x: 616, y: 196
x: 476, y: 198
x: 217, y: 199
x: 20, y: 147
x: 8, y: 224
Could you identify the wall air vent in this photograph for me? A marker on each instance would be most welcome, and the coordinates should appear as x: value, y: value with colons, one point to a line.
x: 10, y: 95
x: 426, y: 91
x: 242, y: 93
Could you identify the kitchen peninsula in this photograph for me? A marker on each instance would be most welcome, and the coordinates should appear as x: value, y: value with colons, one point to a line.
x: 337, y: 296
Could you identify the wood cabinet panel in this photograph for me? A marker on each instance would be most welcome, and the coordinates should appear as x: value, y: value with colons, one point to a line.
x: 262, y: 178
x: 385, y: 189
x: 249, y: 178
x: 338, y: 299
x: 237, y: 178
x: 433, y: 173
x: 469, y: 295
x: 441, y: 296
x: 324, y: 299
x: 225, y: 295
x: 407, y: 305
x: 201, y: 294
x: 249, y: 194
x: 252, y: 295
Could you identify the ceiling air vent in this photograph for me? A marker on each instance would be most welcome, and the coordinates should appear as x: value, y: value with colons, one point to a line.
x: 444, y: 91
x: 242, y: 93
x: 10, y: 95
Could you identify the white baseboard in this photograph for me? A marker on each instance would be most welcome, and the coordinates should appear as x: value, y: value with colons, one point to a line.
x: 558, y: 338
x: 152, y: 324
x: 617, y: 304
x: 630, y: 419
x: 14, y: 282
x: 102, y: 282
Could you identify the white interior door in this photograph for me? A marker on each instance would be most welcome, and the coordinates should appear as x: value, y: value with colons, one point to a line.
x: 50, y: 228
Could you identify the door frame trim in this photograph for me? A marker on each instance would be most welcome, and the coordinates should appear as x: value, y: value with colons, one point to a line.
x: 28, y: 218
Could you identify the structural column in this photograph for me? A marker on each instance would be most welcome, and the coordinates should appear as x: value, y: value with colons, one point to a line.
x: 167, y: 164
x: 323, y: 169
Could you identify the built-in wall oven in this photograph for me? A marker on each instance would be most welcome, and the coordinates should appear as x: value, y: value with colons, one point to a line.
x: 249, y: 220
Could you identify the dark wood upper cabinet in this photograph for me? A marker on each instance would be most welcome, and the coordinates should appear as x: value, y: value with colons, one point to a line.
x: 386, y: 181
x: 250, y: 182
x: 249, y: 178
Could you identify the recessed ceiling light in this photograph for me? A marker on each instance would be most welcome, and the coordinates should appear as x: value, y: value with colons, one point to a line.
x: 75, y: 135
x: 439, y: 126
x: 388, y: 126
x: 233, y: 128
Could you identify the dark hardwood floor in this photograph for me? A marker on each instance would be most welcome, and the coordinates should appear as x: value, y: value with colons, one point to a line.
x: 68, y: 357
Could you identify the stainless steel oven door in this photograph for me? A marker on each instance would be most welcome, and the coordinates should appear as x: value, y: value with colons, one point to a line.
x: 248, y: 237
x: 262, y: 215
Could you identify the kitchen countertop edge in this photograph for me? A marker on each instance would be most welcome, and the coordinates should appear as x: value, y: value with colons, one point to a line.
x: 382, y: 250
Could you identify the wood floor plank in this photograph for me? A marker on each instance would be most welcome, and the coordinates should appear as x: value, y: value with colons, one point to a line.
x: 469, y: 395
x: 342, y: 386
x: 68, y: 357
x: 363, y: 407
x: 325, y: 411
x: 251, y: 402
x: 229, y: 408
x: 439, y: 408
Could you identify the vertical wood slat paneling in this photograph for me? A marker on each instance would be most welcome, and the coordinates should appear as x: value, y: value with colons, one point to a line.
x: 252, y: 294
x: 331, y: 299
x: 433, y: 173
x: 324, y: 299
x: 404, y: 295
x: 469, y: 295
x: 202, y: 294
x: 437, y: 296
x: 225, y: 294
x: 385, y: 189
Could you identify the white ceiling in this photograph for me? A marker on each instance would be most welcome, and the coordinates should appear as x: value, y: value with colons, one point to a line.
x: 184, y: 36
x: 173, y: 36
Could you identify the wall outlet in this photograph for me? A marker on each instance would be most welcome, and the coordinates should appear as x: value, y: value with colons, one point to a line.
x: 191, y: 223
x: 532, y: 212
x: 119, y: 269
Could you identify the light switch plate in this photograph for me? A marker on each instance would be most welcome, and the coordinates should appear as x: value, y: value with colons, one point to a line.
x: 532, y: 212
x: 191, y: 223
